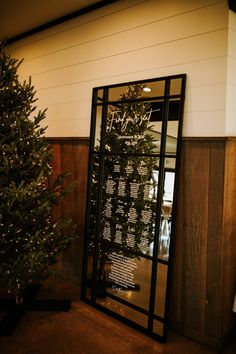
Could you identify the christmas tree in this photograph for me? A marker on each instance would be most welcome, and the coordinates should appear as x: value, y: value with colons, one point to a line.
x: 30, y: 237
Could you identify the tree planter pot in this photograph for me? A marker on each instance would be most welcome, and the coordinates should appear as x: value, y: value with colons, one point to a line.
x: 15, y: 311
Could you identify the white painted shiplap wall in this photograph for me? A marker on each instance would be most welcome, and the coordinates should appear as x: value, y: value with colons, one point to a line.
x: 231, y: 77
x: 133, y: 40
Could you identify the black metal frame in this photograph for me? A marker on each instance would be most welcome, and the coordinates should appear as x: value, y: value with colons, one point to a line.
x: 151, y: 316
x: 232, y: 5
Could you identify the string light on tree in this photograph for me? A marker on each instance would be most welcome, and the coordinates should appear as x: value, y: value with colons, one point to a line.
x: 30, y: 240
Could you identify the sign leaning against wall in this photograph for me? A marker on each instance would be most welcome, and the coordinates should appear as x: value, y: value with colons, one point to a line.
x: 134, y: 157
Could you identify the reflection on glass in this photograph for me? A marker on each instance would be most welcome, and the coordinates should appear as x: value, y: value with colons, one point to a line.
x: 124, y: 311
x: 170, y: 163
x: 175, y: 86
x: 157, y: 88
x: 97, y: 139
x: 161, y: 283
x: 169, y: 186
x: 90, y: 266
x: 171, y: 137
x: 164, y: 238
x: 100, y: 96
x: 157, y: 108
x: 115, y: 93
x: 148, y: 89
x: 154, y: 132
x: 166, y: 213
x: 88, y: 293
x: 174, y: 109
x: 158, y: 327
x: 127, y: 126
x: 89, y: 275
x: 129, y: 278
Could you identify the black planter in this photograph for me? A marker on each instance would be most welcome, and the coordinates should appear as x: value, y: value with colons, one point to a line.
x: 14, y: 311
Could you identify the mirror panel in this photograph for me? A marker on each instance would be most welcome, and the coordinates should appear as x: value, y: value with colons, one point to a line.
x: 166, y: 210
x: 97, y: 127
x: 128, y: 201
x: 148, y: 89
x: 124, y: 311
x: 129, y: 278
x: 129, y: 129
x: 175, y: 86
x: 161, y: 283
x: 158, y: 328
x: 131, y: 197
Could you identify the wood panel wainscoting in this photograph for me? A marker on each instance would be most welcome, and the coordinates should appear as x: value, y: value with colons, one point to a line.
x: 204, y: 261
x: 71, y: 155
x: 202, y: 284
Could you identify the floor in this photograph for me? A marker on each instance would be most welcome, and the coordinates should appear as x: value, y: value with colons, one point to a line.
x: 85, y: 330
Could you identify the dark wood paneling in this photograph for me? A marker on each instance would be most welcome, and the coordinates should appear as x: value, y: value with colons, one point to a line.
x: 228, y: 285
x: 71, y: 155
x: 190, y: 252
x: 214, y: 234
x: 204, y: 263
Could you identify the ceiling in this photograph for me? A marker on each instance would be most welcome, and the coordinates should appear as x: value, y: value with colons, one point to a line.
x: 18, y: 16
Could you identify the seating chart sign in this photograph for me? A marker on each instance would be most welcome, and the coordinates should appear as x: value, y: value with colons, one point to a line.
x: 129, y: 203
x: 135, y: 133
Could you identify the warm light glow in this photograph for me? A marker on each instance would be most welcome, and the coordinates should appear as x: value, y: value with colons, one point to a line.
x: 147, y: 89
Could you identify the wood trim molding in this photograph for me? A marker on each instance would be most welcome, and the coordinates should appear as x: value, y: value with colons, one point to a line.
x: 209, y: 138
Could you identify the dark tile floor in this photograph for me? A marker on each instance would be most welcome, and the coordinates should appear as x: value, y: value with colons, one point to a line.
x: 84, y: 330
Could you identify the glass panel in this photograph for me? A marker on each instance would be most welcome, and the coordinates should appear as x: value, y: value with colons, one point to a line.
x: 129, y: 278
x: 88, y: 293
x: 93, y: 203
x: 174, y: 109
x: 157, y: 112
x: 129, y: 129
x: 175, y: 86
x: 116, y: 93
x: 170, y: 163
x: 157, y: 88
x: 124, y: 311
x: 158, y: 327
x: 98, y: 124
x: 164, y: 238
x: 92, y: 225
x: 172, y: 127
x: 161, y: 283
x: 171, y: 137
x: 169, y: 185
x: 166, y: 211
x: 126, y: 128
x: 100, y: 96
x: 147, y: 89
x: 89, y: 276
x: 90, y: 265
x: 128, y: 209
